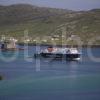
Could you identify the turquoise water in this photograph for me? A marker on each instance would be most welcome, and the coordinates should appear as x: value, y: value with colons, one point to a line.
x: 27, y: 78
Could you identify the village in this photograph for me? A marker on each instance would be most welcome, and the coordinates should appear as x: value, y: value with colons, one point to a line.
x: 46, y: 40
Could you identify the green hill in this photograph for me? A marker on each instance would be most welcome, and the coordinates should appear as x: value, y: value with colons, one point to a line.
x: 42, y: 21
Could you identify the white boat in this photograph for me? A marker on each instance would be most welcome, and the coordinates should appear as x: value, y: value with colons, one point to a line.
x: 68, y: 53
x: 9, y: 45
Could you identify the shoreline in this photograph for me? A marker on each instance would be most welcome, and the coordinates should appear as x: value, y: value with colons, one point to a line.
x: 83, y: 46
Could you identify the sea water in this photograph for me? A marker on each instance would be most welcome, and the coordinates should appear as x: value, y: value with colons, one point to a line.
x: 27, y: 78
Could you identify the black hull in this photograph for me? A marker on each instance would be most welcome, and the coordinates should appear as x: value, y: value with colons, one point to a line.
x: 66, y: 56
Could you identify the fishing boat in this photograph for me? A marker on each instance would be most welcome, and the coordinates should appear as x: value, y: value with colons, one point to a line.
x: 52, y: 52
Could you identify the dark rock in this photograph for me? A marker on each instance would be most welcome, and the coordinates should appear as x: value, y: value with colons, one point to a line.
x: 1, y: 78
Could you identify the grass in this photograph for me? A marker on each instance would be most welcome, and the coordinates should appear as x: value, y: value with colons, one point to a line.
x: 41, y: 22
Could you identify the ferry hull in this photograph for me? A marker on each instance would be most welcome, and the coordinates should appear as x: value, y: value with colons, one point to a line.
x: 66, y: 56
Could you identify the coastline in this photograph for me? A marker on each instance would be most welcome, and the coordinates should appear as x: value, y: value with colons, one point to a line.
x: 59, y: 45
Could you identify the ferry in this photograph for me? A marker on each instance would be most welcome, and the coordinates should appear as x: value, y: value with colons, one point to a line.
x: 52, y: 52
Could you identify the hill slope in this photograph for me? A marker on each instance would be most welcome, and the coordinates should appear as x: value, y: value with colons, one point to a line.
x: 41, y: 21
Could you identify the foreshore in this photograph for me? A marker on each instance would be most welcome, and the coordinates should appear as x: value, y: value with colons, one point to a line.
x: 59, y: 45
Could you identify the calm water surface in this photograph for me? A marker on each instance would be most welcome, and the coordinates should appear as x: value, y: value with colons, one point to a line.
x: 27, y: 78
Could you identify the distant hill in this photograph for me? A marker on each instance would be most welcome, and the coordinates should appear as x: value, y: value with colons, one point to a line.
x: 42, y: 21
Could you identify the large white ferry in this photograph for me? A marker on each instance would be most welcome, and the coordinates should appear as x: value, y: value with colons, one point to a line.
x: 68, y: 53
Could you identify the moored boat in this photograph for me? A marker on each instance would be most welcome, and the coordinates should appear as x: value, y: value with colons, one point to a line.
x: 9, y: 46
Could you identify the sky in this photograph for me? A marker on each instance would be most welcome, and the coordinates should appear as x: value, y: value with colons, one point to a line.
x: 66, y: 4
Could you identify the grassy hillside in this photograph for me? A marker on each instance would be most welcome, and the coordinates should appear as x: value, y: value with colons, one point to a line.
x: 41, y: 21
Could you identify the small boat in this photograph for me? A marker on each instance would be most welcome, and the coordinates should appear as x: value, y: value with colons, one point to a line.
x: 67, y: 53
x: 9, y: 46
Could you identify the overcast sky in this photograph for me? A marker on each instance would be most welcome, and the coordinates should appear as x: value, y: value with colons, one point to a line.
x: 67, y: 4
